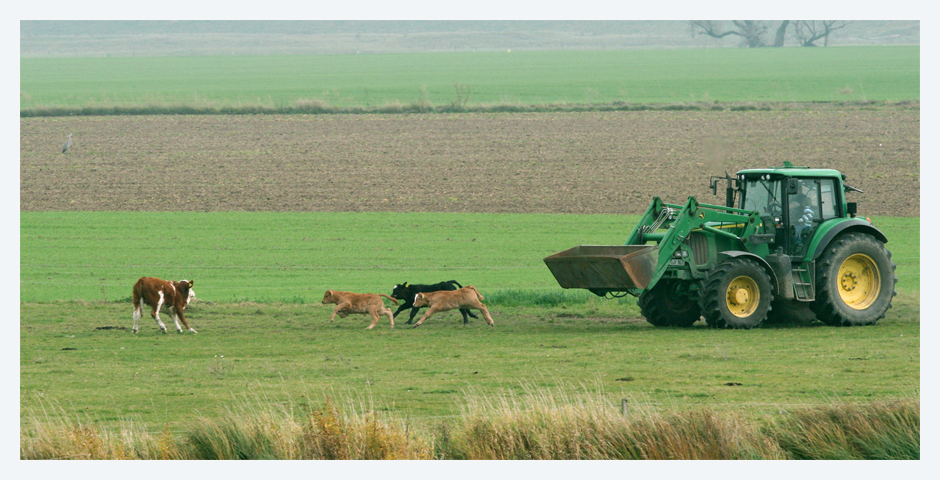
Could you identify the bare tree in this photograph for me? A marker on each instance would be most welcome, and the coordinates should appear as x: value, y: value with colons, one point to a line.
x: 810, y: 31
x: 781, y: 33
x: 750, y: 31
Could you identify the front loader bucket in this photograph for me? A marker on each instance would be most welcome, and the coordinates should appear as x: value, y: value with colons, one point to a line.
x: 615, y: 268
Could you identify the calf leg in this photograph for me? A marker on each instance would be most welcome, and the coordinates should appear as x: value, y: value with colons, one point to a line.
x: 427, y: 314
x: 465, y: 312
x: 177, y: 316
x: 375, y: 318
x: 470, y: 313
x: 339, y: 306
x: 402, y: 308
x: 137, y: 313
x: 391, y: 318
x: 155, y: 313
x: 486, y: 315
x: 176, y: 320
x: 414, y: 311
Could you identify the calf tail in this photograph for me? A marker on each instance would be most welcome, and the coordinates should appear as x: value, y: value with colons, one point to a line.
x: 390, y: 298
x: 455, y: 283
x: 476, y: 291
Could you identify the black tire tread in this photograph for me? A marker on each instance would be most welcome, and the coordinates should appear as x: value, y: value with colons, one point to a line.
x: 711, y: 294
x: 653, y: 307
x: 825, y: 307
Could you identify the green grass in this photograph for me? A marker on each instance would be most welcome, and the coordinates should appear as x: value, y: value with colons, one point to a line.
x: 295, y: 257
x: 84, y: 356
x: 419, y: 81
x: 264, y: 335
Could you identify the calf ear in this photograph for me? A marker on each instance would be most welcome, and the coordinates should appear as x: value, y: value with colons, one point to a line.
x: 405, y: 285
x: 191, y: 283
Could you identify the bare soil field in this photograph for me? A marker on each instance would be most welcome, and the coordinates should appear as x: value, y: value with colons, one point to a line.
x: 585, y: 162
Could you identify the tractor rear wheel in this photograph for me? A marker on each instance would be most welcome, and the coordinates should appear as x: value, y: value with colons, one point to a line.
x: 855, y: 280
x: 736, y: 294
x: 666, y: 305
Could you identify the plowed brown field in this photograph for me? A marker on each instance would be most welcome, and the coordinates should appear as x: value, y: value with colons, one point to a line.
x: 593, y: 162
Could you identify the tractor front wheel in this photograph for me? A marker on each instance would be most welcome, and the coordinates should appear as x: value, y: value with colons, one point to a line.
x: 736, y: 294
x: 855, y: 281
x: 666, y: 305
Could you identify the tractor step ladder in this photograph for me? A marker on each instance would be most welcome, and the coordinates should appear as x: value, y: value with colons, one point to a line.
x: 801, y: 288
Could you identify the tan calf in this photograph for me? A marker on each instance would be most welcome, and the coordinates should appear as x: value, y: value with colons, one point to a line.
x: 349, y: 302
x: 442, y: 301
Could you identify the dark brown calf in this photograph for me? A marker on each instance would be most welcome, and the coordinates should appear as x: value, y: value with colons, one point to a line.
x: 349, y: 302
x: 466, y: 297
x: 157, y: 293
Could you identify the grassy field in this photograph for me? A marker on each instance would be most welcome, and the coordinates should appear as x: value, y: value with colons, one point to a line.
x: 83, y: 357
x: 265, y: 340
x: 269, y: 257
x: 251, y: 83
x: 293, y: 257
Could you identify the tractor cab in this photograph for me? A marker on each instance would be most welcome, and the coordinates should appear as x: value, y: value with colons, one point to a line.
x: 794, y: 200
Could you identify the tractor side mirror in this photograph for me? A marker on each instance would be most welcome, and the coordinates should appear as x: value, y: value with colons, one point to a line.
x: 793, y: 186
x: 851, y: 208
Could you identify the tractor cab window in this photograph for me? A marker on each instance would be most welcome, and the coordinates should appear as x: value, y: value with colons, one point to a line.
x: 809, y: 202
x: 828, y: 197
x: 764, y: 196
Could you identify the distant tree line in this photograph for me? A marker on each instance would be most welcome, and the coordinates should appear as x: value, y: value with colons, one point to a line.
x: 752, y: 32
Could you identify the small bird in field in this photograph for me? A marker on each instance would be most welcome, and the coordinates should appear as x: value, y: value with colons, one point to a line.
x: 68, y: 143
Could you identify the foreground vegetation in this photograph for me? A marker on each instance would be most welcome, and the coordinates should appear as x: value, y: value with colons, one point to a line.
x: 483, y: 81
x: 545, y: 426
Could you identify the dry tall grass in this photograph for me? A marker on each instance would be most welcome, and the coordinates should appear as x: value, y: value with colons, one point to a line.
x: 328, y: 433
x: 878, y: 431
x: 532, y: 425
x: 50, y: 434
x: 556, y: 426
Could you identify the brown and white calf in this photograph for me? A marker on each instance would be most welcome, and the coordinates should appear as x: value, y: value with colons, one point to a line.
x: 442, y: 301
x: 349, y: 302
x: 157, y: 293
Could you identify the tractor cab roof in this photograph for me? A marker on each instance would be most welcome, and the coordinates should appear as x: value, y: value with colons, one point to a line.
x: 789, y: 171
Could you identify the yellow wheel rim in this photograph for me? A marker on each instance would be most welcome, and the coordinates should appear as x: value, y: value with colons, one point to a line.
x: 743, y: 296
x: 859, y: 281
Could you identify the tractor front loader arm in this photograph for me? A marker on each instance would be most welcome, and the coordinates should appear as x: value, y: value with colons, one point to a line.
x: 670, y: 225
x: 636, y: 266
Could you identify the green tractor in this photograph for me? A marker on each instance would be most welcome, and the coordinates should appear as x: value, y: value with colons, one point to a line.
x: 785, y: 240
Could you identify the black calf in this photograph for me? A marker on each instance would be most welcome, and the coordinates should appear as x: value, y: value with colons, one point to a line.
x: 406, y: 293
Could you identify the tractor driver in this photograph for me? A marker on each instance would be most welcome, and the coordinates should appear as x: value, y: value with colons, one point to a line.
x: 803, y: 210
